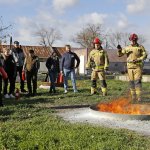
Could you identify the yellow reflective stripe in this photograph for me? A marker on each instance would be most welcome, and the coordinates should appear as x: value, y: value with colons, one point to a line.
x: 99, y: 67
x: 137, y: 63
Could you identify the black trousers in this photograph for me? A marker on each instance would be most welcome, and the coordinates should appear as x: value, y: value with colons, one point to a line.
x: 1, y: 101
x: 31, y: 79
x: 19, y: 70
x: 11, y: 80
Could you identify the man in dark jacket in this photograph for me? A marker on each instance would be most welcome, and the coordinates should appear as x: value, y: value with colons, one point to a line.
x: 68, y: 67
x: 52, y: 65
x: 31, y: 65
x: 19, y: 57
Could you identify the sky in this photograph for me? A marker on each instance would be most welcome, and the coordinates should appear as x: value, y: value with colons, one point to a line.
x: 70, y: 16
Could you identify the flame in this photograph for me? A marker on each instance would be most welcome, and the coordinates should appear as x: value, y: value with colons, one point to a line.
x: 124, y: 106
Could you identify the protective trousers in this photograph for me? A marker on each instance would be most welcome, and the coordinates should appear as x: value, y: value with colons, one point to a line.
x: 101, y: 76
x: 135, y: 76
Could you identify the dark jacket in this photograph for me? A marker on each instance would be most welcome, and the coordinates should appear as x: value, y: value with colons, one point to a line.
x: 68, y: 61
x: 18, y: 56
x: 52, y: 64
x: 9, y: 65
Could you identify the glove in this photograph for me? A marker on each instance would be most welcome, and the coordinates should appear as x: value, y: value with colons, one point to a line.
x: 135, y: 61
x: 119, y: 47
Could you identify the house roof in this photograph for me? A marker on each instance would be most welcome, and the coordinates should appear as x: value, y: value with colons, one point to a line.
x: 41, y: 51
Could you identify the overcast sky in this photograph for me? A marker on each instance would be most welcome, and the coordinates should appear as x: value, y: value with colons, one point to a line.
x: 69, y: 16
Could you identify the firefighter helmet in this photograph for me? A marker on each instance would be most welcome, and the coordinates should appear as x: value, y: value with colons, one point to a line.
x: 133, y: 37
x: 97, y: 41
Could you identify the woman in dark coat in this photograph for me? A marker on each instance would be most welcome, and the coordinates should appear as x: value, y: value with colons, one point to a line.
x: 10, y: 68
x: 52, y: 65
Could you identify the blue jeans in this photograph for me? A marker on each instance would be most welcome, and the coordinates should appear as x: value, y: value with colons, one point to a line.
x: 53, y: 77
x: 68, y: 72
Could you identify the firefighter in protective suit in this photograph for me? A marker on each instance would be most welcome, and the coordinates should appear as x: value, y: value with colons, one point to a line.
x: 98, y: 61
x: 136, y: 54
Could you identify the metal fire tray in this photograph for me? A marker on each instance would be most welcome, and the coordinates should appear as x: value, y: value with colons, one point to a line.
x: 96, y: 112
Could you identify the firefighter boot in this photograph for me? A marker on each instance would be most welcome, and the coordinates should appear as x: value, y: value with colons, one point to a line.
x: 138, y: 94
x: 104, y: 91
x: 133, y: 95
x: 93, y: 90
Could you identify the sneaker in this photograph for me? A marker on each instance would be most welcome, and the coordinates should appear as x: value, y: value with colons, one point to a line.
x: 12, y: 96
x: 75, y: 91
x: 6, y: 96
x: 65, y: 91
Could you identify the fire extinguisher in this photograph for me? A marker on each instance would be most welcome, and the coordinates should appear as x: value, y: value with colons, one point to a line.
x: 17, y: 94
x: 23, y: 75
x: 4, y: 74
x: 60, y: 78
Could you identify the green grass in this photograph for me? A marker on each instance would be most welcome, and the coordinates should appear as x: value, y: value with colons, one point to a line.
x: 30, y: 123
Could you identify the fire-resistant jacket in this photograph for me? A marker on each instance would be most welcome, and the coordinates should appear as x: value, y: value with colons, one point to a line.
x: 135, y: 55
x: 98, y: 60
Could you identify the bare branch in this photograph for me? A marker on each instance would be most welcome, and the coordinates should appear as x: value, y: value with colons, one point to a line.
x: 3, y: 31
x: 48, y: 36
x: 87, y: 34
x: 122, y: 38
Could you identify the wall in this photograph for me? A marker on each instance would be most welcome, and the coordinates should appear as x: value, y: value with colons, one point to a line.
x: 117, y: 67
x: 82, y: 54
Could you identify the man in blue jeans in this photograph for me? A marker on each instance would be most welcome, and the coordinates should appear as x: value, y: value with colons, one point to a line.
x: 68, y: 67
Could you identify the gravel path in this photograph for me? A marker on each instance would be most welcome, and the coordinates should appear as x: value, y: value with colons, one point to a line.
x: 84, y: 115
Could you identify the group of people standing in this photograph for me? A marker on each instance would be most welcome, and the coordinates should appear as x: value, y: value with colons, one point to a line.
x: 69, y: 62
x: 14, y: 61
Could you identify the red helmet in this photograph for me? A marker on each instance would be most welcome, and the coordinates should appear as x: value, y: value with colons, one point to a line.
x: 97, y: 41
x: 133, y: 37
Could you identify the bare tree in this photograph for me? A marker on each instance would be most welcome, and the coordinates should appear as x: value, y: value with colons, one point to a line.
x: 121, y: 38
x: 3, y: 31
x: 48, y: 36
x: 87, y: 34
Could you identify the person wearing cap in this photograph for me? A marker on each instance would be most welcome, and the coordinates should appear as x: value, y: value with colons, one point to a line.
x: 19, y: 57
x: 136, y: 54
x: 31, y: 66
x: 98, y: 61
x: 68, y: 66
